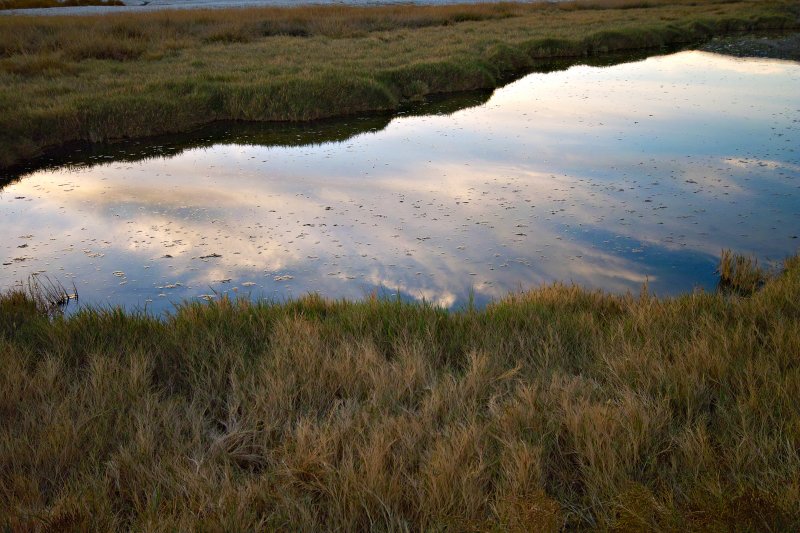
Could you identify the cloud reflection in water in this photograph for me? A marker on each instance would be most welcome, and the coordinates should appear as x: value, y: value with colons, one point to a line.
x: 605, y: 177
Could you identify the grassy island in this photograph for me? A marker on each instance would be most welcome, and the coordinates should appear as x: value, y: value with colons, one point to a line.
x: 115, y: 76
x: 556, y: 408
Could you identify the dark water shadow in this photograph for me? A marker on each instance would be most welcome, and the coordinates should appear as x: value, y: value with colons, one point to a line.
x: 285, y: 134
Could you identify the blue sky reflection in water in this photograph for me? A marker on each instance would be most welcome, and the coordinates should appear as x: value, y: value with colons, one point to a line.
x: 605, y: 177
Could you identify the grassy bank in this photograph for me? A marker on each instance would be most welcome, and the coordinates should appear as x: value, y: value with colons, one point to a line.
x: 554, y: 408
x: 132, y: 75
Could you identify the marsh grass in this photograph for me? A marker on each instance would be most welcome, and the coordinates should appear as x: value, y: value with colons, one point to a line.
x: 556, y: 408
x: 49, y: 296
x: 740, y: 274
x: 99, y: 78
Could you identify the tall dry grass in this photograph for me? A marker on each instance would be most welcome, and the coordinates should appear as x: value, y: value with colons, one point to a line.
x: 555, y: 409
x: 109, y: 77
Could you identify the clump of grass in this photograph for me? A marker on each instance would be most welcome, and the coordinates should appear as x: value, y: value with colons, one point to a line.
x: 38, y: 297
x: 38, y: 65
x: 740, y: 274
x: 99, y: 78
x: 109, y: 48
x: 49, y: 296
x: 555, y: 409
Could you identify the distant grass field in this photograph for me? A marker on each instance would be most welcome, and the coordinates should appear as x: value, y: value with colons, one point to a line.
x: 97, y: 78
x: 558, y: 408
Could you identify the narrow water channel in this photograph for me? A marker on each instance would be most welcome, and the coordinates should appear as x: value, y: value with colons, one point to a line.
x: 609, y: 177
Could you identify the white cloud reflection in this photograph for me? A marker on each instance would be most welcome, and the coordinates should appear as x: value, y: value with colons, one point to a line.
x: 604, y: 177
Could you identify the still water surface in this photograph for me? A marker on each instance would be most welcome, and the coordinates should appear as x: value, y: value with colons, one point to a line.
x: 607, y: 177
x: 138, y: 6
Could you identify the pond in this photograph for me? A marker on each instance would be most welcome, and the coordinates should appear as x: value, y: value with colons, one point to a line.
x: 609, y: 177
x: 138, y: 6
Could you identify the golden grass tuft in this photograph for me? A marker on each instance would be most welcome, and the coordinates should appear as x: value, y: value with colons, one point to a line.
x: 739, y: 273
